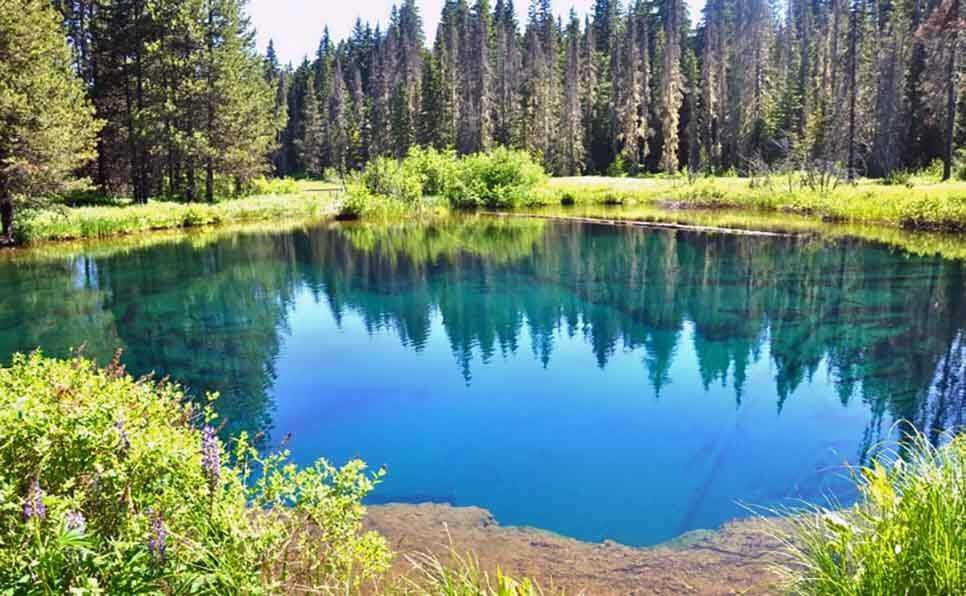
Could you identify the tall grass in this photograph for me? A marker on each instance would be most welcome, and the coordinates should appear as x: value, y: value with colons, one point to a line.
x: 923, y: 205
x: 73, y: 223
x: 907, y: 534
x: 463, y: 576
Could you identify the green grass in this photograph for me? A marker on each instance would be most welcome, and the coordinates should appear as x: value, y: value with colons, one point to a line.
x: 312, y: 199
x: 462, y: 575
x: 923, y: 204
x: 907, y: 535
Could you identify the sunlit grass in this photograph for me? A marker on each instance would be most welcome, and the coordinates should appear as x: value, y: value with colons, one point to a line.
x: 907, y: 534
x: 921, y: 204
x: 462, y: 575
x: 312, y: 199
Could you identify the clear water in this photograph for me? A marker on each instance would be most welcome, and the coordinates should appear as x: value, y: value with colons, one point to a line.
x: 599, y: 382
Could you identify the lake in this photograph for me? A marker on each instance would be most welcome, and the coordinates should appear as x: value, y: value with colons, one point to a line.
x: 600, y: 382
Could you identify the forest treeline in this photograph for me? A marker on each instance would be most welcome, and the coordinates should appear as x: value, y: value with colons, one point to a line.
x: 870, y: 85
x: 162, y: 98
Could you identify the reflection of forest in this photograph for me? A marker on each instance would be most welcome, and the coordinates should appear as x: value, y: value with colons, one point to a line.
x: 890, y: 326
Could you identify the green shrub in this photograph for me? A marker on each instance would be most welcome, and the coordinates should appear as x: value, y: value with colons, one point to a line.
x: 898, y: 178
x: 363, y: 204
x: 112, y: 485
x: 617, y: 169
x: 499, y: 179
x: 436, y: 170
x: 274, y: 186
x: 934, y: 170
x: 907, y: 535
x: 959, y: 166
x: 390, y: 178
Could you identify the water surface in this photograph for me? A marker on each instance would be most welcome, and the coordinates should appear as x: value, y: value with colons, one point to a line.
x: 597, y: 381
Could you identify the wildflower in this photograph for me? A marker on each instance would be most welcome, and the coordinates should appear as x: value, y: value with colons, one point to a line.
x: 125, y: 441
x: 210, y: 456
x: 157, y: 541
x: 74, y: 522
x: 33, y: 506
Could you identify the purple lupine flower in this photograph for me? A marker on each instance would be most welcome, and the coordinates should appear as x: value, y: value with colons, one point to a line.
x: 157, y: 541
x: 210, y: 455
x: 33, y: 505
x: 125, y: 441
x: 74, y: 522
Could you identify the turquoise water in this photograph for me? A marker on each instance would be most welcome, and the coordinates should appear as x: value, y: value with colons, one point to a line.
x: 599, y: 382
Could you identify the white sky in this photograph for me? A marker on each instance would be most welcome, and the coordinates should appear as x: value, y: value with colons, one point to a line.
x: 296, y: 25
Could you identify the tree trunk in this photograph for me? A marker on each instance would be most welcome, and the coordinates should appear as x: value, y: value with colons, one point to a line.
x: 853, y: 59
x: 951, y: 87
x: 6, y: 209
x: 209, y: 182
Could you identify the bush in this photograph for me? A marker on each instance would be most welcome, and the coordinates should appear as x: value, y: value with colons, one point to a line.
x: 907, y: 535
x: 898, y: 178
x: 436, y: 170
x: 390, y: 178
x: 362, y: 204
x: 274, y: 186
x: 112, y: 485
x: 499, y: 179
x: 616, y: 169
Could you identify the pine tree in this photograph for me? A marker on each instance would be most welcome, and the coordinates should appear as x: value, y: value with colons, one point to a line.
x: 943, y: 32
x: 48, y: 128
x: 573, y: 110
x: 310, y: 140
x: 671, y: 86
x: 339, y: 113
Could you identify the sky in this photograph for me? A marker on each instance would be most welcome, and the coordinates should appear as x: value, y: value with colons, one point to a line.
x: 296, y: 25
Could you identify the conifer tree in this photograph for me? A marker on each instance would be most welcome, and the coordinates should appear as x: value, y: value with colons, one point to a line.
x: 48, y: 126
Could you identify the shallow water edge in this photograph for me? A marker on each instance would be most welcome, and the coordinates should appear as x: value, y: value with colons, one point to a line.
x: 740, y: 558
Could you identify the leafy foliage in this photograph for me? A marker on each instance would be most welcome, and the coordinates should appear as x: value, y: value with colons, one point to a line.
x: 111, y: 485
x: 500, y: 178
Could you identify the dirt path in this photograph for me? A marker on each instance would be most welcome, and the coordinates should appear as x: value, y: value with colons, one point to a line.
x: 737, y: 560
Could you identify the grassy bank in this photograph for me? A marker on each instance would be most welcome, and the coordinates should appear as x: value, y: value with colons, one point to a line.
x: 120, y: 217
x: 508, y: 180
x: 921, y: 203
x: 907, y: 534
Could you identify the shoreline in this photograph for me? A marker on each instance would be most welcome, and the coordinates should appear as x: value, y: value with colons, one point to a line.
x: 742, y: 555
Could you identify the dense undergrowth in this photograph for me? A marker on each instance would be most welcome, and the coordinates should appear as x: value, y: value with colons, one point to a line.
x: 907, y: 535
x: 427, y: 179
x: 120, y: 486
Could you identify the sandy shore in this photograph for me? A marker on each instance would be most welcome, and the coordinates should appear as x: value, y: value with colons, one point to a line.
x: 739, y: 559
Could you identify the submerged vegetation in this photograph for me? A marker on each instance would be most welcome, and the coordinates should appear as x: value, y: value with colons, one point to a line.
x: 907, y: 535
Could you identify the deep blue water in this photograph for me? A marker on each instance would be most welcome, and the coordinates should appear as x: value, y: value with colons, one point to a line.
x: 599, y: 382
